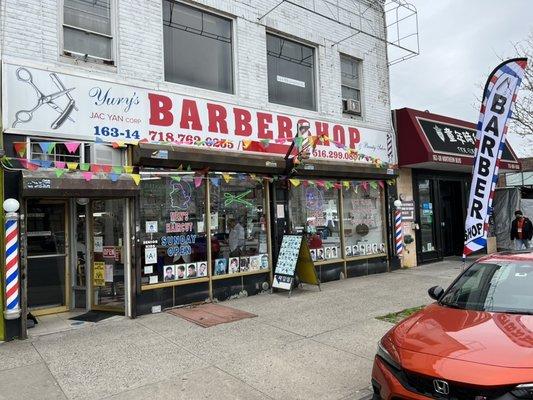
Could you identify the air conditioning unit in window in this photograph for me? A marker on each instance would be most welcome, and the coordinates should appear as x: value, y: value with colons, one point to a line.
x: 351, y: 106
x: 105, y: 155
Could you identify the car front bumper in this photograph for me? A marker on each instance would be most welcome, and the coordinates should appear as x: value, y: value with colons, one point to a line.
x: 388, y: 386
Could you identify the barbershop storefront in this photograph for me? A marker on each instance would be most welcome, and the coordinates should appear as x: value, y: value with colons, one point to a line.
x: 135, y: 200
x: 435, y: 155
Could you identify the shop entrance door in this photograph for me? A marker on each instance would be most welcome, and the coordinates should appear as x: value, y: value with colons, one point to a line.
x: 427, y: 248
x: 451, y: 218
x: 108, y: 254
x: 47, y: 256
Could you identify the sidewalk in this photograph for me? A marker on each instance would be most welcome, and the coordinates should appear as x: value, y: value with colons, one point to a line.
x: 315, y: 345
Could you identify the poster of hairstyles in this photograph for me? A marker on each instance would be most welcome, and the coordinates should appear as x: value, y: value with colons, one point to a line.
x: 221, y: 266
x: 233, y: 265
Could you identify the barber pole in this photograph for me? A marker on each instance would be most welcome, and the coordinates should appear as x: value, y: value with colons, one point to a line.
x: 398, y: 233
x: 12, y: 264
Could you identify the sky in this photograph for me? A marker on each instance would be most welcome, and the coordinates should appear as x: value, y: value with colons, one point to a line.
x: 461, y: 42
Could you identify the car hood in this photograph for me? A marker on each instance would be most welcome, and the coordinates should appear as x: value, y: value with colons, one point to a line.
x: 498, y: 339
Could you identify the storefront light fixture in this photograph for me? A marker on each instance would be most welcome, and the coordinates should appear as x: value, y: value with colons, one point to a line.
x: 82, y: 201
x: 11, y: 205
x: 397, y: 203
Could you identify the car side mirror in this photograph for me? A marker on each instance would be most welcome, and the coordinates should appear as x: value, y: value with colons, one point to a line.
x: 436, y: 292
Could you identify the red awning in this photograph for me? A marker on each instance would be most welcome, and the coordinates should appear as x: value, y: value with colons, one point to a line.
x: 432, y: 141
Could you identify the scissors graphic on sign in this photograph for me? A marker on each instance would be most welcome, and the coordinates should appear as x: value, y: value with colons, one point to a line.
x: 24, y: 116
x: 238, y: 199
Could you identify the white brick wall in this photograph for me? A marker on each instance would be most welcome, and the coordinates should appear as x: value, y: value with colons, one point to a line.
x: 31, y: 30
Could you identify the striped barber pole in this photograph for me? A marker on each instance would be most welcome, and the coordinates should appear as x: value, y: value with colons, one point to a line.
x: 390, y: 148
x: 12, y: 268
x: 398, y: 232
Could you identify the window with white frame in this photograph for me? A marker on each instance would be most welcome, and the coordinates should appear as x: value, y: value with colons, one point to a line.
x: 351, y: 85
x: 291, y: 73
x: 198, y: 47
x: 87, y: 30
x: 43, y: 150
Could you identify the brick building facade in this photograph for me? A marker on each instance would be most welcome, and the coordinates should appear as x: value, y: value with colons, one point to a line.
x: 171, y: 108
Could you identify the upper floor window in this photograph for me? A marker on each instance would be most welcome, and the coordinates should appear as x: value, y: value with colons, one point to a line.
x: 198, y: 47
x: 291, y: 73
x: 351, y: 85
x: 87, y: 30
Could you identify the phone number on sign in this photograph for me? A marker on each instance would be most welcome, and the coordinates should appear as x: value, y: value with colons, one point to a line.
x: 157, y: 136
x: 340, y: 155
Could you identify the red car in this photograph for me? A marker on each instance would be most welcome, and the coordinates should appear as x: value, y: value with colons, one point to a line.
x: 474, y: 343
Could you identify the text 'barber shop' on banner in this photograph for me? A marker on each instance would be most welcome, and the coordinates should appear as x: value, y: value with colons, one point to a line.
x: 498, y: 98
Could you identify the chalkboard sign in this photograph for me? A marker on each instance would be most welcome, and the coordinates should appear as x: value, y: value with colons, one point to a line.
x: 294, y: 259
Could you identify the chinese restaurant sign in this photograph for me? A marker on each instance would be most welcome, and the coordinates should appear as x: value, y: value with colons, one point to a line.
x: 453, y: 140
x: 60, y: 104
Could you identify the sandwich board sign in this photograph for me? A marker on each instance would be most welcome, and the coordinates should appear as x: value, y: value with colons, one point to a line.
x: 294, y: 259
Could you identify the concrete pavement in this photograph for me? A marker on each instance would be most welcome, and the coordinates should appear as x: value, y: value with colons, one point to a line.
x: 315, y: 345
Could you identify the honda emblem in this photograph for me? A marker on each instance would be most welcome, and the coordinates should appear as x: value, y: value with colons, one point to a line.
x: 441, y: 387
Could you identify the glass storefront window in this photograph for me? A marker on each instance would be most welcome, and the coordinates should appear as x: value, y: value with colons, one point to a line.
x: 173, y: 228
x: 238, y: 225
x: 314, y: 211
x: 363, y: 221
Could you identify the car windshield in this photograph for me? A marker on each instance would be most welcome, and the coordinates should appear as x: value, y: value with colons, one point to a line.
x: 499, y: 286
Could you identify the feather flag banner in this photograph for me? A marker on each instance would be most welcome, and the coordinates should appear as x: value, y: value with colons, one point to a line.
x: 499, y: 96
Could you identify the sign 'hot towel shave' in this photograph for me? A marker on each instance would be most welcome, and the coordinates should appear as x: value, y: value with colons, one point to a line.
x: 498, y: 98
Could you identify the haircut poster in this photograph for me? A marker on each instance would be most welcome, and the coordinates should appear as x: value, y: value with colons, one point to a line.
x: 498, y: 98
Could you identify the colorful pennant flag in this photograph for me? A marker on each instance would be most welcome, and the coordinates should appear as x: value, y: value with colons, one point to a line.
x: 72, y: 147
x: 198, y: 181
x: 295, y: 182
x: 215, y: 181
x: 72, y: 165
x: 227, y: 177
x: 87, y: 175
x: 136, y: 178
x: 60, y: 172
x: 20, y: 148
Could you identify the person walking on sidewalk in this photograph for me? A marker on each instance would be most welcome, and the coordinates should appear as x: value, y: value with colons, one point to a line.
x: 521, y: 231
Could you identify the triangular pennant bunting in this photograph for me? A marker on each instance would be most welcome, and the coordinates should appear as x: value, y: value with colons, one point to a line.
x: 198, y: 181
x: 60, y: 172
x: 72, y: 147
x: 20, y: 148
x: 227, y: 177
x: 88, y: 175
x: 295, y: 182
x: 136, y: 178
x: 215, y: 181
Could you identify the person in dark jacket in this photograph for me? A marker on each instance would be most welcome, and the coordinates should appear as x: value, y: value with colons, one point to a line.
x: 521, y: 230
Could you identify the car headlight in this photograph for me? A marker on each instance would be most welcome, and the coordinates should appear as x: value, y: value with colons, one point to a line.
x: 524, y: 391
x: 388, y: 356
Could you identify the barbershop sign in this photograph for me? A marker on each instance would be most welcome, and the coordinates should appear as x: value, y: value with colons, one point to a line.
x: 498, y: 98
x: 56, y: 104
